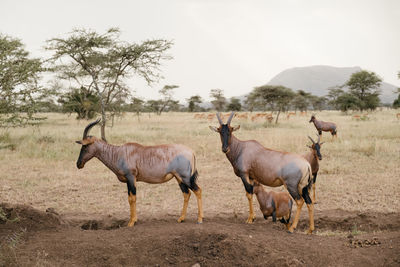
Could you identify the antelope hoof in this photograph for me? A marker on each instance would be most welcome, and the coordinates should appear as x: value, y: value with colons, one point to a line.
x: 291, y: 230
x: 250, y: 220
x: 309, y: 232
x: 131, y: 223
x: 181, y: 219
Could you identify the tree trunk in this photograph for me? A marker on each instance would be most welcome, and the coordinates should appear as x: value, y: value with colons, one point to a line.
x: 103, y: 120
x: 277, y: 116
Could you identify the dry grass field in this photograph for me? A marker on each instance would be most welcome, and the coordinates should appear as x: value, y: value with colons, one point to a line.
x: 359, y: 172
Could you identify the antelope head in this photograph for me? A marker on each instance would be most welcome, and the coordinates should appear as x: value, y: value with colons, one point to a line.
x: 225, y: 131
x: 87, y: 150
x: 316, y: 147
x: 312, y: 118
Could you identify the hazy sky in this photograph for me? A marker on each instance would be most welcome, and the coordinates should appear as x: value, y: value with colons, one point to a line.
x: 232, y: 45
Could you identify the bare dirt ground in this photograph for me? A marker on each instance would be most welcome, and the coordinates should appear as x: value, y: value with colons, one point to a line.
x: 53, y: 240
x: 357, y: 220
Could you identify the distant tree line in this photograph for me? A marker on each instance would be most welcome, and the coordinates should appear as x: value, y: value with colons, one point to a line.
x: 91, y: 71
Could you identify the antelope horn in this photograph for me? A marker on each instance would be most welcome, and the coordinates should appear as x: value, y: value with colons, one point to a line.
x: 311, y: 140
x: 90, y: 125
x: 219, y: 118
x: 230, y: 118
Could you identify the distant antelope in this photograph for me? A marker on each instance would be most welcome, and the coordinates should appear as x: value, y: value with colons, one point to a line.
x: 210, y: 117
x: 133, y: 163
x: 253, y: 162
x: 398, y: 115
x: 356, y: 117
x: 290, y: 114
x: 303, y: 113
x: 324, y: 126
x: 313, y: 158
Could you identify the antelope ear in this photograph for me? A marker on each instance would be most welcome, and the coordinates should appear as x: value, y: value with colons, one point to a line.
x: 86, y: 141
x: 214, y: 129
x: 79, y: 142
x: 235, y: 128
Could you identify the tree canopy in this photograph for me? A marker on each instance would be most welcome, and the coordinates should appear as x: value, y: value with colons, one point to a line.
x: 365, y: 86
x: 19, y: 87
x: 101, y: 63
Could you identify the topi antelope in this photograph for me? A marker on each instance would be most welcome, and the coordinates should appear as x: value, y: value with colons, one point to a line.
x: 253, y: 162
x: 133, y: 163
x: 275, y: 204
x: 313, y: 158
x: 324, y: 126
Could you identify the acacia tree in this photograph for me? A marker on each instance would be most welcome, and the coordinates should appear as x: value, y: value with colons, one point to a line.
x: 276, y: 96
x: 19, y: 88
x: 167, y: 97
x: 219, y: 101
x: 103, y: 61
x: 193, y: 102
x: 234, y: 104
x: 365, y: 86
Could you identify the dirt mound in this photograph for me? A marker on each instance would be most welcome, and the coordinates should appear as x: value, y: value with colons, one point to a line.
x: 52, y: 240
x: 22, y: 216
x: 344, y: 221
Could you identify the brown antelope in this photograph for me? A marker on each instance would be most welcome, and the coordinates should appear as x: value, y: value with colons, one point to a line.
x: 210, y: 117
x: 290, y: 114
x: 324, y: 126
x: 275, y: 204
x: 313, y: 158
x: 356, y: 117
x: 133, y: 163
x: 253, y: 162
x: 398, y: 115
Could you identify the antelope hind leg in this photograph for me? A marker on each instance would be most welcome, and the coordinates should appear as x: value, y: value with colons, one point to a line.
x: 311, y: 217
x: 299, y: 204
x: 199, y: 205
x: 186, y: 196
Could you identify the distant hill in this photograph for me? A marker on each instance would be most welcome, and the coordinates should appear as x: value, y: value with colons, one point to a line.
x: 317, y: 80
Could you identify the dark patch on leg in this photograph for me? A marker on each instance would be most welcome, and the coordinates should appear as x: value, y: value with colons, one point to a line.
x: 266, y: 217
x: 306, y: 195
x: 184, y: 188
x: 319, y: 132
x: 193, y: 186
x: 315, y: 178
x: 130, y: 183
x: 248, y: 187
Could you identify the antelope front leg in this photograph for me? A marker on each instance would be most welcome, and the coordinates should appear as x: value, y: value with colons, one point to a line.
x: 199, y: 205
x: 299, y: 204
x: 313, y: 188
x: 132, y: 199
x: 186, y: 197
x: 249, y: 194
x: 311, y: 217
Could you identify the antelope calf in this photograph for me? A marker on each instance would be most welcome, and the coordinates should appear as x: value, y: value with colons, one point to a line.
x: 133, y: 163
x: 253, y: 162
x: 313, y: 157
x: 324, y: 126
x: 275, y: 204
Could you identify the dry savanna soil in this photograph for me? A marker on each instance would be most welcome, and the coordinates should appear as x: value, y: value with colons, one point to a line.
x: 53, y: 214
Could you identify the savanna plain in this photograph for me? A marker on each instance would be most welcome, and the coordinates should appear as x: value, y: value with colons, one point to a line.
x: 53, y: 214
